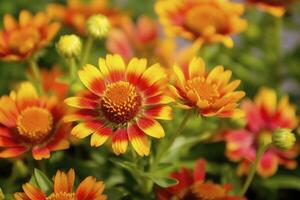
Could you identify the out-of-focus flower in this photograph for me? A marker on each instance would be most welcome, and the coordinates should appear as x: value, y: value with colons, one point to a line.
x: 124, y: 104
x: 283, y: 139
x: 192, y: 186
x: 263, y: 116
x: 98, y: 26
x: 29, y: 121
x: 207, y: 21
x: 20, y: 39
x: 51, y: 83
x: 76, y: 13
x: 131, y: 40
x: 274, y: 7
x: 88, y: 189
x: 69, y: 46
x: 210, y: 93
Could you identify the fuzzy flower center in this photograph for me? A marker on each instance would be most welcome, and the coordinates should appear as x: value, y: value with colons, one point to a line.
x: 201, y: 89
x: 61, y: 196
x: 120, y: 102
x: 205, y: 20
x: 209, y: 191
x: 34, y: 124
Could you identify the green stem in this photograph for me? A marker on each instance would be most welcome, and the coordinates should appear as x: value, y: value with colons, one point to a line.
x: 165, y: 147
x: 278, y: 61
x: 87, y: 50
x: 37, y: 75
x: 73, y: 69
x: 252, y: 172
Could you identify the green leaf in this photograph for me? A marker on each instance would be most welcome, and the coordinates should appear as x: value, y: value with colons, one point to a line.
x: 283, y: 181
x: 1, y: 195
x: 41, y: 180
x: 163, y: 181
x: 116, y: 193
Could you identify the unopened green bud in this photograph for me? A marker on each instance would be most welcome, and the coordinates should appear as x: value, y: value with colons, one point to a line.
x: 283, y: 139
x: 69, y: 46
x: 98, y: 26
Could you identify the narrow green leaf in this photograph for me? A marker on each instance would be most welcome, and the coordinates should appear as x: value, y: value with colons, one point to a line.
x: 42, y: 181
x: 163, y: 181
x: 277, y: 182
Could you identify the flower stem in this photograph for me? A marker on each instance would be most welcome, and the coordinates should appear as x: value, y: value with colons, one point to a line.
x: 165, y: 147
x: 87, y: 50
x: 37, y: 75
x: 73, y: 68
x: 261, y: 150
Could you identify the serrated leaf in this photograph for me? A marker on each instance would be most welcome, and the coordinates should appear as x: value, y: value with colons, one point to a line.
x: 42, y: 181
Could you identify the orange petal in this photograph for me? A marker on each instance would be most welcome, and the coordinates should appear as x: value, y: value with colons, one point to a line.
x: 8, y: 142
x: 24, y: 18
x: 159, y: 112
x: 8, y: 111
x: 84, y: 129
x: 100, y: 136
x: 26, y: 96
x: 33, y: 193
x: 92, y: 78
x: 82, y: 115
x: 64, y: 182
x: 9, y: 22
x: 138, y: 140
x: 153, y: 74
x: 116, y: 67
x: 13, y: 152
x: 21, y: 196
x: 159, y: 99
x: 135, y: 69
x: 151, y: 127
x: 120, y: 141
x: 90, y: 189
x: 81, y: 102
x: 196, y: 68
x: 40, y: 153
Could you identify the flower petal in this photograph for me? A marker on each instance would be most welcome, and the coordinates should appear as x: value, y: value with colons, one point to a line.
x: 135, y: 69
x: 26, y: 96
x: 33, y: 193
x: 159, y: 112
x: 81, y: 102
x: 116, y: 67
x: 196, y: 68
x: 153, y: 74
x: 40, y: 153
x: 138, y: 140
x: 12, y: 152
x: 151, y: 127
x: 100, y: 136
x: 84, y: 129
x: 120, y: 141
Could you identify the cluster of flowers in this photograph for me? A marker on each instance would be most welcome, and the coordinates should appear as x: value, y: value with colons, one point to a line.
x: 125, y: 96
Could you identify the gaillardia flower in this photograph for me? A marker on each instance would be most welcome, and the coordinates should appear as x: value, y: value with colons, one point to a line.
x: 19, y: 40
x: 88, y: 189
x: 192, y: 186
x: 29, y: 121
x: 264, y: 116
x: 274, y: 7
x: 210, y: 93
x: 207, y: 21
x: 125, y: 104
x: 76, y: 13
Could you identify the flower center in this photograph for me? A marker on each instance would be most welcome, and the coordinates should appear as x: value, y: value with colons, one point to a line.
x: 209, y: 191
x: 199, y: 88
x: 203, y: 18
x: 34, y: 124
x: 120, y: 102
x: 61, y: 196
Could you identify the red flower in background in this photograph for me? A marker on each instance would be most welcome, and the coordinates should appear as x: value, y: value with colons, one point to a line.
x: 263, y: 116
x: 192, y: 186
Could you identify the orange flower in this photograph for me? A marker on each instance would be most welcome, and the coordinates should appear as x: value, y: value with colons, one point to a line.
x: 88, y: 189
x: 125, y: 104
x: 207, y: 21
x: 29, y: 121
x: 77, y: 12
x: 274, y: 7
x: 192, y: 186
x: 19, y: 40
x: 210, y: 93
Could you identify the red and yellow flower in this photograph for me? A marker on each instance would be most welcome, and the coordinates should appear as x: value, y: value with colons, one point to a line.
x: 76, y: 13
x: 274, y: 7
x: 263, y: 116
x: 192, y: 186
x: 29, y: 121
x: 19, y: 40
x: 216, y: 20
x: 124, y: 104
x: 210, y: 93
x: 88, y: 189
x: 130, y: 40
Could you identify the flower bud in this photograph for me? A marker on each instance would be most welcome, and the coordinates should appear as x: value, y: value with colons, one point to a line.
x: 69, y: 46
x: 283, y: 139
x: 98, y: 26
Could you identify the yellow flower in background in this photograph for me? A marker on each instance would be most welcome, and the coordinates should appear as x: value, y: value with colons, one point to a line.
x: 274, y: 7
x: 31, y: 122
x: 20, y: 39
x: 124, y: 103
x: 207, y: 21
x: 210, y: 93
x: 88, y: 189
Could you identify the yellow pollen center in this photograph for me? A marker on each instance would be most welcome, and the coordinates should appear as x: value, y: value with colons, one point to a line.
x: 61, y: 196
x: 34, y: 124
x: 209, y: 191
x: 120, y: 102
x: 202, y: 89
x: 205, y: 19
